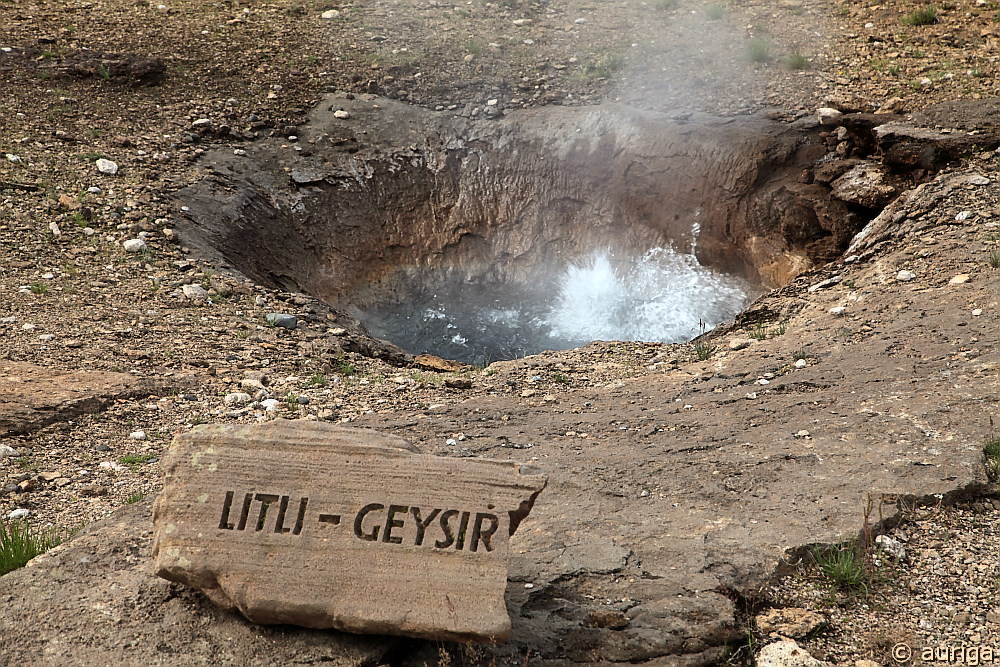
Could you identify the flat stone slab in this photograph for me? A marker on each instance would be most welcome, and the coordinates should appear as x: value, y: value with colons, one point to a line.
x: 323, y: 526
x: 32, y: 396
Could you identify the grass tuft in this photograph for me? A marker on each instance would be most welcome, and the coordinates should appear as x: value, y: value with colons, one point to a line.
x: 925, y: 16
x: 759, y: 50
x: 994, y: 259
x: 844, y: 567
x: 19, y: 544
x: 796, y: 61
x: 704, y: 350
x: 991, y: 449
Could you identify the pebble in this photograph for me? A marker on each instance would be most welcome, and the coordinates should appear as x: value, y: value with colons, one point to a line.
x: 270, y: 404
x: 458, y: 383
x: 964, y: 215
x: 977, y: 312
x: 137, y: 435
x: 134, y: 245
x: 828, y: 116
x: 28, y: 327
x: 823, y: 284
x: 237, y: 398
x: 451, y: 442
x: 195, y: 292
x: 47, y: 337
x: 14, y: 159
x: 801, y: 363
x: 282, y: 320
x: 111, y: 465
x: 19, y: 513
x: 739, y: 344
x: 330, y: 14
x: 960, y: 279
x: 837, y: 311
x: 341, y: 114
x: 520, y: 22
x: 978, y: 179
x: 905, y: 276
x: 891, y: 546
x: 102, y: 448
x: 106, y: 167
x: 54, y: 228
x: 580, y: 21
x: 7, y: 450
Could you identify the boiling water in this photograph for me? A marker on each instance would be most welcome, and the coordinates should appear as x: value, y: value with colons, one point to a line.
x: 661, y: 296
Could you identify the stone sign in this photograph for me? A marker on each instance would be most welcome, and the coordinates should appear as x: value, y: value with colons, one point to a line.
x: 331, y: 527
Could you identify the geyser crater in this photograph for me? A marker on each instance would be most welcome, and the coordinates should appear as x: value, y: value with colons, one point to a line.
x: 543, y: 230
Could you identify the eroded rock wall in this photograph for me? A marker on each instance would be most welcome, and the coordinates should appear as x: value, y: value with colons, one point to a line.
x: 360, y: 205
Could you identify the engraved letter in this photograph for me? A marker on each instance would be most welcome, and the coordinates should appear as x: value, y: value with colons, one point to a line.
x: 279, y: 523
x: 265, y: 501
x: 392, y: 522
x: 244, y: 511
x: 422, y: 524
x: 372, y: 536
x: 224, y: 523
x: 449, y: 536
x: 484, y: 535
x: 463, y: 528
x: 301, y: 517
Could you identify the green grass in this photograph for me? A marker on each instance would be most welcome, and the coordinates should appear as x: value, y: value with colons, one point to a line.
x: 796, y: 61
x: 602, y: 65
x: 134, y: 497
x: 995, y: 259
x: 704, y: 351
x: 136, y: 459
x: 38, y: 288
x: 759, y: 50
x: 844, y: 567
x: 318, y: 380
x: 925, y: 16
x: 991, y: 449
x: 799, y: 354
x: 19, y: 544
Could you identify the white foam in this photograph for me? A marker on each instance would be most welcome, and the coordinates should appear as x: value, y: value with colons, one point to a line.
x: 662, y: 296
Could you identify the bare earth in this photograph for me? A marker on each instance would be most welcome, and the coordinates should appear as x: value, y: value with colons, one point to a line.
x: 671, y: 478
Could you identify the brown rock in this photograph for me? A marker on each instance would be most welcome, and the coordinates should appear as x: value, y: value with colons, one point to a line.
x: 94, y: 490
x: 33, y: 396
x: 791, y: 622
x: 607, y: 618
x: 866, y: 185
x: 324, y: 526
x: 433, y: 363
x: 458, y: 383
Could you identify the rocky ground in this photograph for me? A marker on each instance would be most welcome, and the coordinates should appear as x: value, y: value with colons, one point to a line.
x: 113, y: 358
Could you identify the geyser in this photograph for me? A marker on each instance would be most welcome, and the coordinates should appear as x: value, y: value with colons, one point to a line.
x: 659, y: 295
x: 542, y: 230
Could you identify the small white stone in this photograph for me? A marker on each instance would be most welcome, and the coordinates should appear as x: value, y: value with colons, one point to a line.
x: 330, y: 14
x: 964, y: 215
x: 491, y: 103
x: 580, y: 21
x: 28, y: 327
x: 905, y: 276
x: 202, y: 122
x: 520, y: 22
x: 978, y: 179
x: 19, y: 513
x: 270, y: 404
x: 94, y: 190
x: 960, y: 279
x: 134, y: 245
x: 46, y: 337
x: 852, y: 259
x: 111, y: 465
x: 341, y: 114
x: 451, y: 442
x: 14, y: 159
x: 977, y: 312
x: 137, y: 435
x: 7, y: 450
x: 837, y: 311
x: 195, y: 292
x: 106, y: 167
x: 54, y: 228
x: 828, y: 115
x: 763, y: 382
x: 237, y: 398
x: 801, y: 363
x: 802, y: 434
